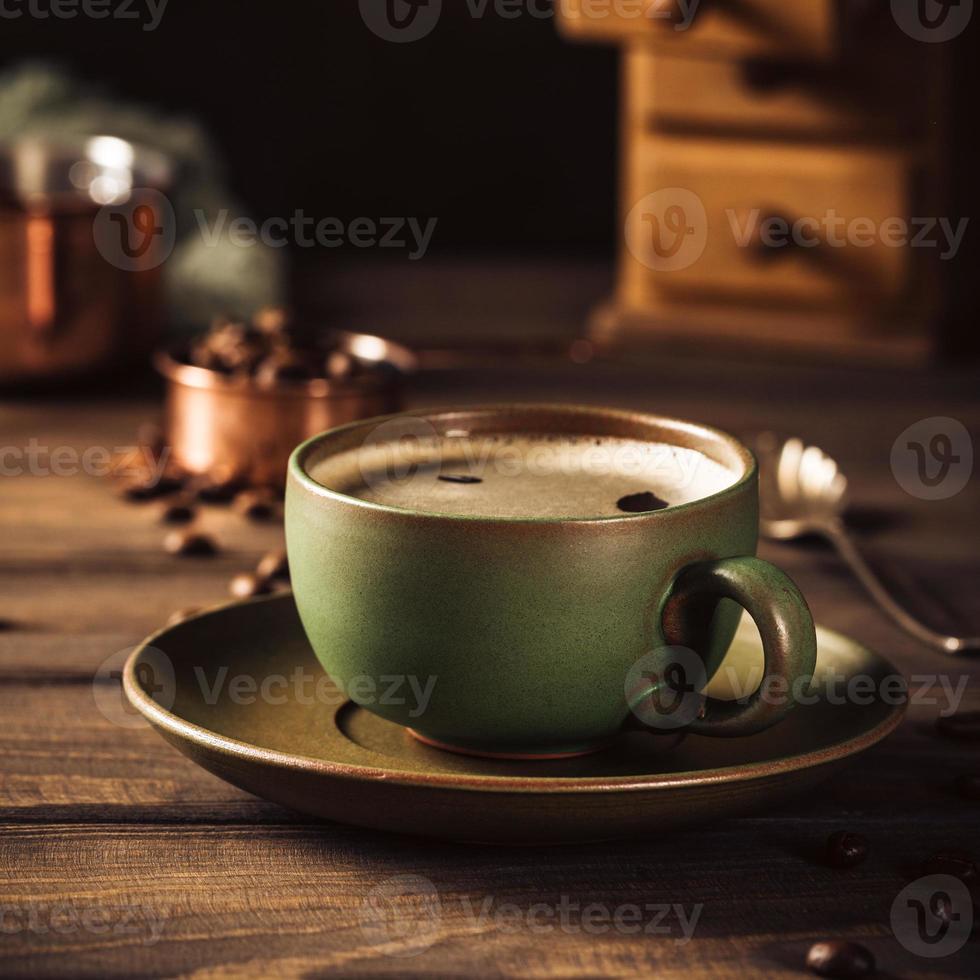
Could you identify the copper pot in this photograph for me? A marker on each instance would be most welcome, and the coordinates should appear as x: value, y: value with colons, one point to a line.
x: 77, y: 288
x: 232, y: 428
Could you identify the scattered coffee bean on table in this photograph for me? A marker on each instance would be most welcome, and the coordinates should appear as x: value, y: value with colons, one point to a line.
x: 846, y: 850
x: 967, y: 784
x: 959, y: 864
x: 248, y: 585
x: 149, y: 488
x: 274, y: 566
x: 837, y: 958
x: 257, y: 505
x: 179, y: 511
x: 216, y: 488
x: 190, y: 544
x: 964, y: 725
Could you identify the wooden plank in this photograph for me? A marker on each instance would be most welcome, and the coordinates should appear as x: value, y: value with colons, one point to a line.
x: 264, y: 901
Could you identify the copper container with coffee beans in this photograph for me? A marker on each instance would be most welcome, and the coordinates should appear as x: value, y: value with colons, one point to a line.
x: 84, y: 229
x: 242, y: 396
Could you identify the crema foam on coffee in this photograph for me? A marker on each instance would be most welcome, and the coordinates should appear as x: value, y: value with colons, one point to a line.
x: 522, y: 476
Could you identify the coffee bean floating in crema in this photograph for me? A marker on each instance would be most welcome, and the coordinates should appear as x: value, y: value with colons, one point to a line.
x: 837, y: 958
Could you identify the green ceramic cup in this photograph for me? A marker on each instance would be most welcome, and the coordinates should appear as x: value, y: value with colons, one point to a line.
x: 501, y: 608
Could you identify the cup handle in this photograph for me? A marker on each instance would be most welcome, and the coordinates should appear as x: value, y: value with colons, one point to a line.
x: 780, y: 612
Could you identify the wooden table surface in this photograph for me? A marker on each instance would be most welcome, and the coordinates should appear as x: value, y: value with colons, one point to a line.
x: 119, y: 857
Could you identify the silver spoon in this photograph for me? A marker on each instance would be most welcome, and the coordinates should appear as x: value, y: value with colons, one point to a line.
x: 801, y: 491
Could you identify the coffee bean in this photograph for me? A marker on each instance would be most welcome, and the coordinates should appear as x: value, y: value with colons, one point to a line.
x: 150, y: 487
x: 256, y: 505
x: 274, y: 567
x: 181, y: 510
x: 964, y: 725
x: 837, y: 958
x: 271, y: 320
x: 217, y: 487
x: 181, y: 614
x: 958, y: 863
x: 247, y: 586
x: 846, y: 850
x: 283, y: 366
x: 641, y: 503
x: 340, y: 365
x: 238, y: 346
x: 190, y: 544
x: 967, y: 784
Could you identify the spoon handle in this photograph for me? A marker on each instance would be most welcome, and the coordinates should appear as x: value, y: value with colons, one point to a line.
x: 845, y: 547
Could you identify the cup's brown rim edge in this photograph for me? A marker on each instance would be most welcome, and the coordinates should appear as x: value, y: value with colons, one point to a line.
x: 297, y: 471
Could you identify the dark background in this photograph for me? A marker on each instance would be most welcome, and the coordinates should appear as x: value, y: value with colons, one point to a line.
x: 499, y: 128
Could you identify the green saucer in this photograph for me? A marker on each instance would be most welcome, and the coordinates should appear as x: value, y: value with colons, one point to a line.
x: 239, y: 692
